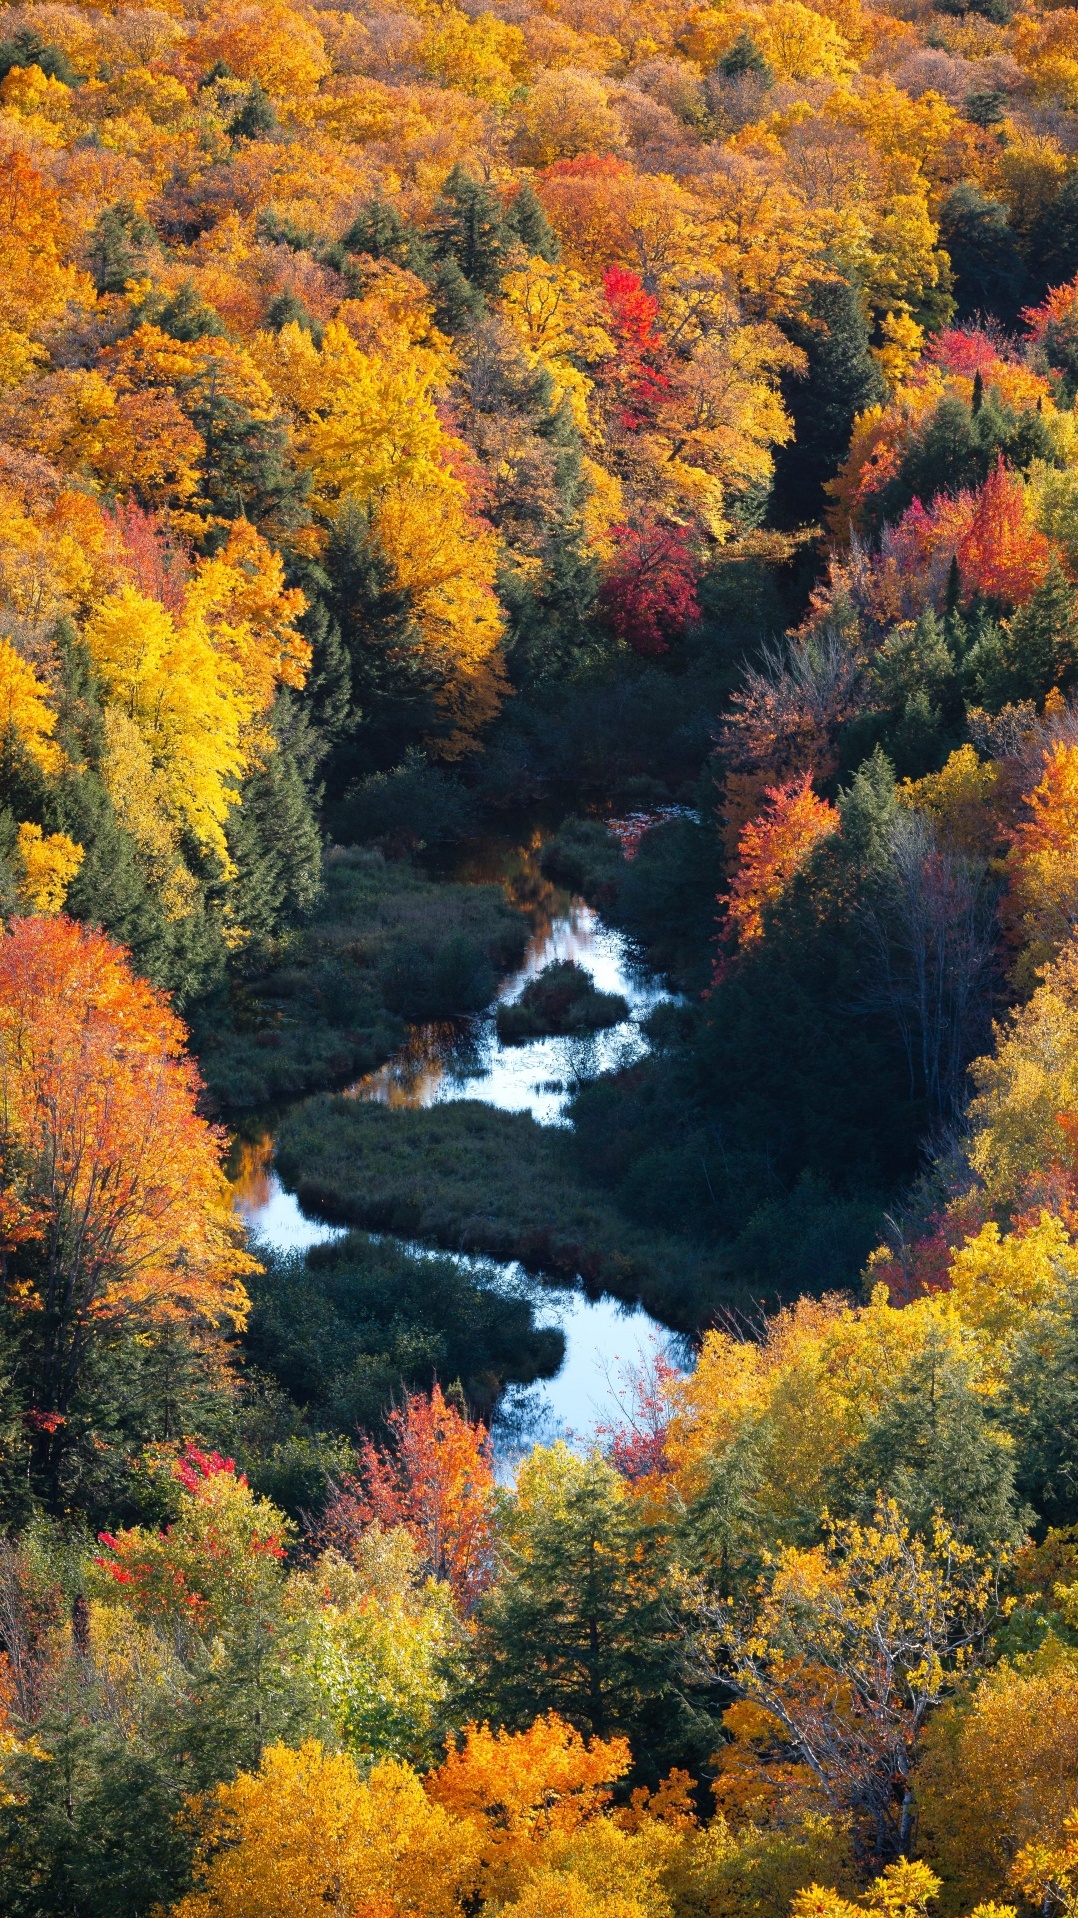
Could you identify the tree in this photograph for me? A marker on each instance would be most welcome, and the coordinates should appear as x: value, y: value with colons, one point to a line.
x: 931, y: 921
x: 114, y: 1201
x: 1000, y: 1774
x: 849, y: 1647
x: 771, y: 848
x: 581, y: 1620
x: 987, y: 266
x: 1044, y: 856
x: 522, y: 1789
x: 649, y: 595
x: 435, y: 1479
x: 839, y: 381
x: 305, y: 1832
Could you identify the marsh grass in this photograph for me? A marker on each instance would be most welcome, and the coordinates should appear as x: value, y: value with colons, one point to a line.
x: 471, y: 1178
x: 385, y: 946
x: 561, y: 1001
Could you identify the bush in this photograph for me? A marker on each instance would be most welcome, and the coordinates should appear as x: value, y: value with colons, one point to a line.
x: 346, y: 1325
x: 561, y: 1001
x: 585, y: 856
x: 402, y: 811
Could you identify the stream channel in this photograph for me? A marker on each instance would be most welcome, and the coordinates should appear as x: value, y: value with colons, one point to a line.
x: 605, y: 1342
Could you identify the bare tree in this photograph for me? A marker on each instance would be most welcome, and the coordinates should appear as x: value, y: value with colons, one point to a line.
x: 930, y: 925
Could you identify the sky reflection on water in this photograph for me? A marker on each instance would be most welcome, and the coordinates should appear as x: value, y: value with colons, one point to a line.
x: 466, y: 1060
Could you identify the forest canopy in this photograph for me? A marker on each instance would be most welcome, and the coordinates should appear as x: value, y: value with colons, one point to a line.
x: 655, y: 423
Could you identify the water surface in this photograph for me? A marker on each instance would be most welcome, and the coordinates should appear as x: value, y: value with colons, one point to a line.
x: 604, y: 1340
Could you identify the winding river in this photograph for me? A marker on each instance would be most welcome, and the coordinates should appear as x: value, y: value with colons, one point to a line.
x: 605, y: 1342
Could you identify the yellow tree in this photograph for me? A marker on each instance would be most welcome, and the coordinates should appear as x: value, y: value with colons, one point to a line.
x: 307, y: 1835
x: 368, y: 430
x: 849, y: 1647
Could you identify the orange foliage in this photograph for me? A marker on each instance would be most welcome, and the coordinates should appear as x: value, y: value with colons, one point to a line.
x: 437, y: 1480
x: 522, y: 1787
x: 1001, y: 553
x: 771, y: 848
x: 103, y: 1148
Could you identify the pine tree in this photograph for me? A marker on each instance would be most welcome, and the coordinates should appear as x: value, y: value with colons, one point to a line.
x: 528, y: 223
x: 989, y: 276
x: 841, y: 380
x: 117, y: 246
x: 469, y: 229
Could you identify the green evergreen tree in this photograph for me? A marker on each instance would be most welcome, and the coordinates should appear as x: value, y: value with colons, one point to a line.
x: 527, y: 222
x: 274, y: 839
x: 989, y: 275
x: 186, y: 316
x: 392, y: 680
x: 257, y: 117
x: 469, y: 229
x: 840, y: 381
x: 117, y: 245
x: 582, y: 1620
x: 934, y: 1447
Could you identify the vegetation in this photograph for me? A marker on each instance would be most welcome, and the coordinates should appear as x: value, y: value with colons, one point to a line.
x: 383, y: 946
x: 468, y: 1177
x: 422, y: 418
x: 559, y: 1002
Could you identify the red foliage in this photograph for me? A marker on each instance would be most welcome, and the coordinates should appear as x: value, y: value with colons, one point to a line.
x: 649, y: 596
x: 195, y: 1467
x: 436, y: 1479
x: 158, y: 567
x: 771, y: 848
x: 636, y: 373
x: 637, y: 1447
x: 1002, y: 554
x: 965, y: 351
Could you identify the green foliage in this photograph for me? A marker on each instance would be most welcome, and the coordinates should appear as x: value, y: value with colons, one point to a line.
x: 561, y: 1000
x: 934, y: 1446
x: 841, y: 379
x: 256, y: 118
x: 93, y: 1832
x: 346, y: 1326
x: 117, y: 246
x: 402, y: 811
x: 583, y: 1619
x: 381, y: 944
x: 27, y: 49
x: 989, y: 273
x: 957, y: 448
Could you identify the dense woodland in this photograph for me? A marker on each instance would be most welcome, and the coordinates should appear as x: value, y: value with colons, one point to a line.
x: 420, y: 421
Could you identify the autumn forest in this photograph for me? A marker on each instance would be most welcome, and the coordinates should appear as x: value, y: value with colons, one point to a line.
x: 538, y: 761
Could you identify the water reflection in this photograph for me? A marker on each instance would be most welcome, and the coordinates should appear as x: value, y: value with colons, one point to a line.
x: 603, y: 1338
x: 451, y: 1060
x: 445, y: 1061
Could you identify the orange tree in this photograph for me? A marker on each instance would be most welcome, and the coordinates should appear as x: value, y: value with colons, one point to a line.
x: 113, y: 1205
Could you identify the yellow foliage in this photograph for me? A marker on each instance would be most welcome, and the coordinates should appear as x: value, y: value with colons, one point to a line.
x: 368, y: 430
x: 139, y: 792
x: 797, y: 42
x: 566, y: 113
x: 485, y: 56
x: 306, y: 1830
x: 49, y: 864
x: 958, y: 800
x: 1022, y: 1087
x: 185, y: 699
x: 24, y: 709
x: 518, y: 1791
x: 1000, y: 1773
x: 903, y: 340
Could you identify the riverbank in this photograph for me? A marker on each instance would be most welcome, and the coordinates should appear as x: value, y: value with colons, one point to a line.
x: 387, y: 945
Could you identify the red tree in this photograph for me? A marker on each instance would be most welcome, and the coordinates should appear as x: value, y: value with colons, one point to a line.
x: 649, y: 596
x: 435, y: 1478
